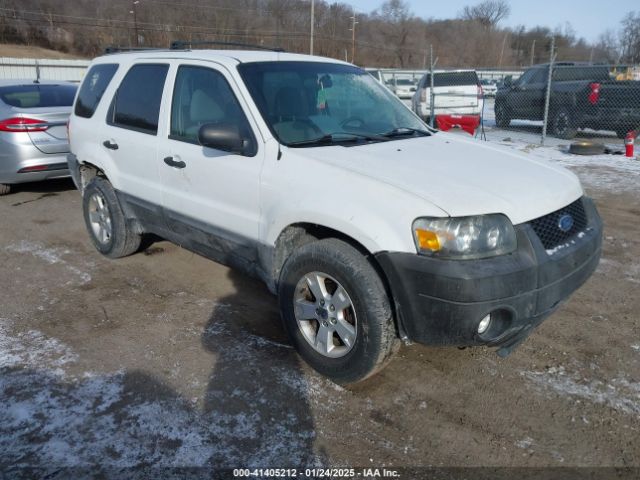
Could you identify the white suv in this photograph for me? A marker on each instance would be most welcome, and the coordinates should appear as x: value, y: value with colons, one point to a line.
x: 310, y: 175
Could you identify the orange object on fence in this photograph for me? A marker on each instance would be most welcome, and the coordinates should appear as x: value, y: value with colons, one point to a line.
x: 468, y: 123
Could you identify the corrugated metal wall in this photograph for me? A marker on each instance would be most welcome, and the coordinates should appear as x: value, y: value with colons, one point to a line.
x: 26, y: 68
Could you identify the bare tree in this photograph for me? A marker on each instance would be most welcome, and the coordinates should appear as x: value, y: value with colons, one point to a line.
x: 630, y: 37
x: 488, y: 13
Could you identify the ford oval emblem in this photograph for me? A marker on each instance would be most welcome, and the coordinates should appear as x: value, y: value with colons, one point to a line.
x: 565, y: 223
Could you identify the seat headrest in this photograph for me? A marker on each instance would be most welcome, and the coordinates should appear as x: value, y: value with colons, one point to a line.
x: 204, y: 108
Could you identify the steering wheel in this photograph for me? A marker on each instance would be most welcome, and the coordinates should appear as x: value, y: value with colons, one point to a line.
x: 351, y: 122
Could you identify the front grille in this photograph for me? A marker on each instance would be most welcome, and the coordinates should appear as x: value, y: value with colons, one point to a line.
x: 548, y: 229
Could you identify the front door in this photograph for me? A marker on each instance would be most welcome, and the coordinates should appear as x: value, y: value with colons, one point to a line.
x: 211, y: 197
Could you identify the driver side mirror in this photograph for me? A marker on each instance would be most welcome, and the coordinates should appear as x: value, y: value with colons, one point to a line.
x: 226, y: 137
x: 508, y: 81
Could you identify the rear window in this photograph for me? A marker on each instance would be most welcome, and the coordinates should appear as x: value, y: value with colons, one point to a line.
x: 38, y: 95
x: 567, y: 74
x: 136, y: 105
x: 95, y: 83
x: 451, y: 79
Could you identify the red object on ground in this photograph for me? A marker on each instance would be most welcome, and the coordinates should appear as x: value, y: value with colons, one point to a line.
x: 629, y: 141
x: 594, y: 95
x: 468, y: 123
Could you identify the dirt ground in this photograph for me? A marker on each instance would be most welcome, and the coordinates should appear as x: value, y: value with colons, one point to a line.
x: 167, y: 359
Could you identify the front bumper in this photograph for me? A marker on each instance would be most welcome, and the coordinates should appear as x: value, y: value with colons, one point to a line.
x: 441, y: 302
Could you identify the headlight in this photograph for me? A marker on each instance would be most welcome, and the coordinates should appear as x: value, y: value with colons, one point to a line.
x: 464, y: 237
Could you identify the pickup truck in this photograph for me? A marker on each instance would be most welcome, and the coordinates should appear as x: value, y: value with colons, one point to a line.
x: 582, y: 96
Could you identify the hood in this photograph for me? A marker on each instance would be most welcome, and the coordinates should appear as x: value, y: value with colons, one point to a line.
x: 460, y: 176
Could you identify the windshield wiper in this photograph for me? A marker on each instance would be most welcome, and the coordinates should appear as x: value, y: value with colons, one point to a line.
x: 334, y: 139
x: 404, y: 131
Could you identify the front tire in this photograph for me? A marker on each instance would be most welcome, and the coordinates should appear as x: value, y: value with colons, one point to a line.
x: 4, y: 189
x: 107, y: 226
x: 336, y: 311
x: 503, y: 118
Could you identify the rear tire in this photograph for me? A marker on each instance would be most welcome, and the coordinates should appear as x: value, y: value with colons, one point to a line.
x: 107, y: 226
x: 4, y: 189
x: 563, y: 124
x: 346, y: 329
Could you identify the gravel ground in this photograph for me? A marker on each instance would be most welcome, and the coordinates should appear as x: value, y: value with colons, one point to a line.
x: 166, y: 359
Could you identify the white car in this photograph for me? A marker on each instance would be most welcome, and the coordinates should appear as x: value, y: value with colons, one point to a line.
x: 307, y: 173
x: 456, y: 92
x: 403, y: 87
x: 489, y: 88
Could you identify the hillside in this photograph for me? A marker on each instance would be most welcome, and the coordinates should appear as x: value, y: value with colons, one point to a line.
x: 24, y: 51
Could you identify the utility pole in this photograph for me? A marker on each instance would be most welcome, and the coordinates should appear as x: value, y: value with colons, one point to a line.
x: 502, y: 51
x: 533, y: 50
x: 135, y: 21
x: 312, y: 25
x: 353, y: 38
x: 552, y: 61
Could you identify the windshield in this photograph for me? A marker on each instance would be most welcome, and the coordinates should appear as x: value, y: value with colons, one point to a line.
x: 315, y: 104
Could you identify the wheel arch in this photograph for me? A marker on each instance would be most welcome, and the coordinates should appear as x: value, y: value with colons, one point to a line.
x: 298, y: 234
x: 87, y: 171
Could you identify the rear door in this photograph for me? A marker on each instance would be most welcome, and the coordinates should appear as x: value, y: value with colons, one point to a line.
x: 130, y: 137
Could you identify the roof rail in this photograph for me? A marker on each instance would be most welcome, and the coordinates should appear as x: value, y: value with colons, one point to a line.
x: 181, y: 45
x: 113, y: 49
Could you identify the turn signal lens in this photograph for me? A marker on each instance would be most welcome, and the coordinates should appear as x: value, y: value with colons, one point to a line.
x: 427, y: 240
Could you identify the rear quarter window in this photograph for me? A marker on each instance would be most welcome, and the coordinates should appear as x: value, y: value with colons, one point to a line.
x: 95, y: 83
x: 38, y: 95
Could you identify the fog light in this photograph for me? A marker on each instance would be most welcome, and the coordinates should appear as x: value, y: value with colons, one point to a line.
x: 483, y: 326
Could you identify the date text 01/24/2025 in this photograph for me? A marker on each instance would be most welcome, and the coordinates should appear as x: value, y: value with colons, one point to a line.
x: 342, y: 473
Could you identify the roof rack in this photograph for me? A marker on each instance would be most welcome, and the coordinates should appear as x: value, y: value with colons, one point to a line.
x: 181, y: 45
x: 113, y: 49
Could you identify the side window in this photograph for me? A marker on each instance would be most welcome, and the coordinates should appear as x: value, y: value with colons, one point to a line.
x: 203, y: 96
x: 526, y: 77
x: 95, y: 83
x: 540, y: 76
x: 136, y: 104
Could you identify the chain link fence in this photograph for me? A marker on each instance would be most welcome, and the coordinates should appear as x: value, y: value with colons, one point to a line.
x: 569, y: 101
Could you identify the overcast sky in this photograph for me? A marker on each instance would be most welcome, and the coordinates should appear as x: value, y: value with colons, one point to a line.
x: 588, y: 18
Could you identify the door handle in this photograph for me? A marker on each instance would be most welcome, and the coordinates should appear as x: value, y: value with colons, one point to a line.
x: 174, y: 163
x: 109, y: 145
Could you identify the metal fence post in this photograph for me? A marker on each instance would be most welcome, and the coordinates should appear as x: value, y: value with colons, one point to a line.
x: 432, y: 95
x: 547, y: 97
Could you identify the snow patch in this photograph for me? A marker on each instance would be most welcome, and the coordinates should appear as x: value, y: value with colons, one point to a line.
x: 525, y: 443
x: 618, y: 393
x: 51, y: 256
x: 51, y: 419
x: 31, y: 349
